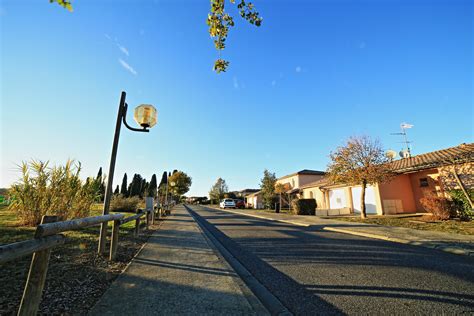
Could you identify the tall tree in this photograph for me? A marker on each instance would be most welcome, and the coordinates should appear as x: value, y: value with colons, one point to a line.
x: 123, y: 188
x: 99, y: 174
x: 101, y: 183
x: 136, y: 185
x: 267, y: 187
x: 164, y: 178
x: 361, y: 161
x: 117, y: 190
x: 153, y: 186
x: 218, y: 20
x: 181, y: 183
x: 217, y: 191
x: 162, y: 187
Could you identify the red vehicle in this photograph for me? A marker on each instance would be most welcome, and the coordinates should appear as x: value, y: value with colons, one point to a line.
x: 239, y: 203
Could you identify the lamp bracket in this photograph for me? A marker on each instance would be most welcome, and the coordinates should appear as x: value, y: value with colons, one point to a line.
x: 124, y: 119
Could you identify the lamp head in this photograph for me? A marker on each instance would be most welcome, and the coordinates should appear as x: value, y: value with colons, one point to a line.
x: 146, y: 115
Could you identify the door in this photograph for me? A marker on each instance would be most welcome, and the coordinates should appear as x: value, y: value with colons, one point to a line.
x: 337, y: 198
x: 370, y: 205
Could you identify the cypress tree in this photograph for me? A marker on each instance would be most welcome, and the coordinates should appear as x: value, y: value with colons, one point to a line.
x: 117, y: 190
x: 123, y: 189
x: 152, y: 186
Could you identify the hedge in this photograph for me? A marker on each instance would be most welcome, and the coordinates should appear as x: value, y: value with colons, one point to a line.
x: 304, y: 207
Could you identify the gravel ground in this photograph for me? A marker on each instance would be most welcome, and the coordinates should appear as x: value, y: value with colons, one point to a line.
x: 321, y: 272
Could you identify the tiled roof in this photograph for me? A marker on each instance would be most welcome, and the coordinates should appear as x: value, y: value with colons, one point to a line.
x: 305, y: 172
x: 434, y: 159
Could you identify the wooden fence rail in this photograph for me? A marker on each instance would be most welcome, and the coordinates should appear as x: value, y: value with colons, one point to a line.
x: 47, y: 236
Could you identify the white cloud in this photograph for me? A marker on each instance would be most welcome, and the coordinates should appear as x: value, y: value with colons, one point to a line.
x: 298, y: 69
x: 274, y: 82
x: 127, y: 66
x: 108, y: 36
x: 123, y: 49
x: 236, y: 83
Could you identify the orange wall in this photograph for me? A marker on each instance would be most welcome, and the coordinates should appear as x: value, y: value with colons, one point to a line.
x: 418, y: 192
x: 399, y: 188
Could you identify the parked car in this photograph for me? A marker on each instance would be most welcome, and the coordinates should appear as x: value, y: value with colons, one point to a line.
x: 239, y: 203
x: 227, y: 203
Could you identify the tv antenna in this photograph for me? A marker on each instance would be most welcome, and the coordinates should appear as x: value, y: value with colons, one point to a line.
x: 404, y: 127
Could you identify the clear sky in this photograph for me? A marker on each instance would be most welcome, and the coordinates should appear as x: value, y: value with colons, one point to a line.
x: 315, y: 73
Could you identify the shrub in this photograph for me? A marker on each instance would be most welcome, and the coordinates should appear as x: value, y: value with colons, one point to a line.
x: 462, y: 206
x: 120, y: 203
x: 304, y: 207
x: 52, y: 191
x: 440, y: 207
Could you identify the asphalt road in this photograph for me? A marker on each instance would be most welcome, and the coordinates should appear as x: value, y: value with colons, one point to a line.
x: 312, y: 271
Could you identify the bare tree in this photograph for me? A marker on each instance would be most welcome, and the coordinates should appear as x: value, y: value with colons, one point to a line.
x: 361, y: 161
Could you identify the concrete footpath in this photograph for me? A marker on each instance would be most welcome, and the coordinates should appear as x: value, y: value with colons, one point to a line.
x: 452, y: 243
x: 179, y: 272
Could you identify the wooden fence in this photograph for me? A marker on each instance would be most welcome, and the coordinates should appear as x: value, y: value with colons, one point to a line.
x: 47, y: 236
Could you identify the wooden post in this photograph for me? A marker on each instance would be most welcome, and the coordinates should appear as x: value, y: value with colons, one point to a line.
x: 147, y: 219
x: 114, y: 240
x: 152, y: 213
x: 137, y: 227
x: 36, y: 277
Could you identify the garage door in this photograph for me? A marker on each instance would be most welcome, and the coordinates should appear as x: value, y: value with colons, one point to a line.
x: 337, y: 199
x: 370, y: 205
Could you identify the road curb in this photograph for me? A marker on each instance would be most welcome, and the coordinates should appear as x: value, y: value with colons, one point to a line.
x: 445, y: 248
x: 262, y: 217
x: 271, y: 303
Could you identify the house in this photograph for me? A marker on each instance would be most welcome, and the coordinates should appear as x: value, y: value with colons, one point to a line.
x: 254, y: 200
x: 293, y: 183
x: 300, y: 178
x: 415, y: 177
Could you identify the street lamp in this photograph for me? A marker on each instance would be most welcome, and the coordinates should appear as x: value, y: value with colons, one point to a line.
x: 146, y: 116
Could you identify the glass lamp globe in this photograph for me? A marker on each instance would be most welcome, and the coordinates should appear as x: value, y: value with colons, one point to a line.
x: 145, y: 115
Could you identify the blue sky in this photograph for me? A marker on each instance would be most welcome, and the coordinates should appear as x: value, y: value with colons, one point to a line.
x: 315, y: 73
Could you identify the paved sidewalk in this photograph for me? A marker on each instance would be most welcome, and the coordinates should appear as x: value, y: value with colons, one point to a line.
x: 178, y: 272
x: 452, y: 243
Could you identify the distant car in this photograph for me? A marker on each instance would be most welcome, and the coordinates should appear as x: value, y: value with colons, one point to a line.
x: 227, y: 203
x: 239, y: 203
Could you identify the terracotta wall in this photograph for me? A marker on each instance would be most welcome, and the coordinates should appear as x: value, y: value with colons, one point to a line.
x: 399, y: 188
x: 434, y: 185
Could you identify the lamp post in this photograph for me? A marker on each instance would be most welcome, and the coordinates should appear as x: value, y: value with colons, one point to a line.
x: 146, y: 116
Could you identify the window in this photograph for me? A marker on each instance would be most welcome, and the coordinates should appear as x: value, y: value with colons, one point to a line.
x: 424, y: 182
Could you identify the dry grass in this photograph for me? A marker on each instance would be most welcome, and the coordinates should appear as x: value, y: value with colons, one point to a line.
x: 448, y: 226
x: 77, y: 276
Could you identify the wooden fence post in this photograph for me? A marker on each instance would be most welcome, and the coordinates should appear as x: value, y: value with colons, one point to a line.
x: 147, y: 219
x: 137, y: 227
x: 114, y: 240
x: 36, y: 277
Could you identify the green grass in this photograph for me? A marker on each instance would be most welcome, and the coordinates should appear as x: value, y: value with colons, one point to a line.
x: 449, y: 226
